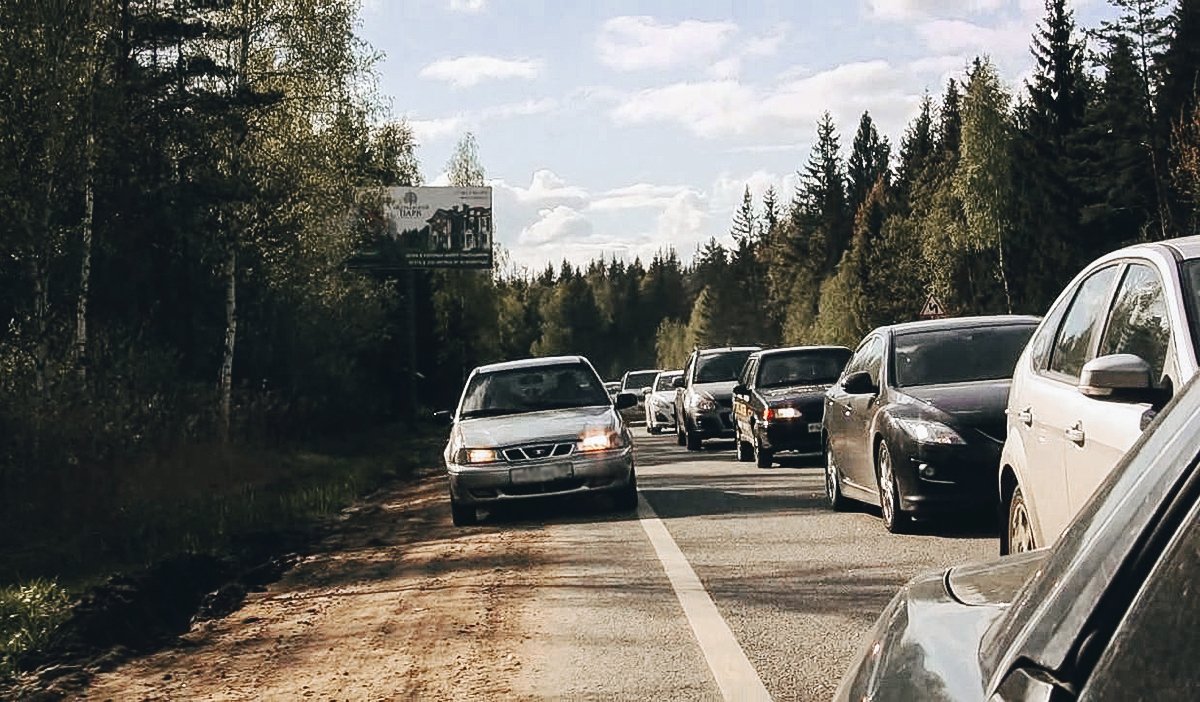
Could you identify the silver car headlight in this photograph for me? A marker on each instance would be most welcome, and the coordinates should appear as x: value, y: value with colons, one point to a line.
x: 474, y: 456
x: 701, y: 403
x: 927, y: 431
x: 601, y: 440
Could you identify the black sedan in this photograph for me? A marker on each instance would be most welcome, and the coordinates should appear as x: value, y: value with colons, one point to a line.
x: 916, y: 422
x: 780, y: 398
x: 1110, y: 613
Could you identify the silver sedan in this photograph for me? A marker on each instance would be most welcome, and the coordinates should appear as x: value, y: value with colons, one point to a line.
x: 535, y: 428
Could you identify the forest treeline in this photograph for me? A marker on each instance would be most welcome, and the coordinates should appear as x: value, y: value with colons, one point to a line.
x: 176, y: 178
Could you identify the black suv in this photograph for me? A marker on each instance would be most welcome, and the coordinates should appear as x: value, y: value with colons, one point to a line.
x: 704, y: 394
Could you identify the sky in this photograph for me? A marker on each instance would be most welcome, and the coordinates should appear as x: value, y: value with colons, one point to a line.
x: 619, y: 128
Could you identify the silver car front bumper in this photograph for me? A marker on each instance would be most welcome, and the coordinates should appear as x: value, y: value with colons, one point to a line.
x: 578, y: 473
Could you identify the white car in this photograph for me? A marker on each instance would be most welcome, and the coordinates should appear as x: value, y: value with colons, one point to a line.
x: 1115, y: 345
x: 660, y: 402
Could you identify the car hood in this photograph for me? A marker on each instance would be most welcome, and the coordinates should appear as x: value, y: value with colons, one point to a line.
x: 964, y: 400
x: 533, y: 427
x: 718, y: 391
x: 925, y: 644
x: 792, y: 392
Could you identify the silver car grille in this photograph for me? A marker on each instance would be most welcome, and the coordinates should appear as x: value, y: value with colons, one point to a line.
x: 536, y: 452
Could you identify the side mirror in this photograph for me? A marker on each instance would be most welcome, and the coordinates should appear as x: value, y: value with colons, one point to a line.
x: 1120, y: 377
x: 860, y: 383
x: 679, y: 382
x: 625, y: 400
x: 740, y: 389
x: 646, y: 391
x: 445, y: 417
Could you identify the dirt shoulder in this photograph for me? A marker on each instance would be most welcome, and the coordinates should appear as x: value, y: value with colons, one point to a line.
x: 394, y: 604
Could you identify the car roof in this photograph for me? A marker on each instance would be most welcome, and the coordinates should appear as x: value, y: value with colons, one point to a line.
x: 643, y: 370
x: 727, y: 349
x: 533, y: 363
x: 995, y: 320
x: 1186, y: 247
x: 790, y: 349
x: 671, y: 372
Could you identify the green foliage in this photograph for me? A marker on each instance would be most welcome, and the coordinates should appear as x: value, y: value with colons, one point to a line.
x: 30, y: 614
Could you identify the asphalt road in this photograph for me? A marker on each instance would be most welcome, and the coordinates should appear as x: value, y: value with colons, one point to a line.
x: 731, y: 582
x: 798, y: 585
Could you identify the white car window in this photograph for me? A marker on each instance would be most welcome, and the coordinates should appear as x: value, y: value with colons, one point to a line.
x: 1073, y: 344
x: 1138, y: 323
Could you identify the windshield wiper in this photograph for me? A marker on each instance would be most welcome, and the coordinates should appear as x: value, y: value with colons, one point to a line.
x: 492, y: 412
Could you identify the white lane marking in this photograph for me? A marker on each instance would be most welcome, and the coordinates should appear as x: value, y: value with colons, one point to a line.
x: 734, y: 673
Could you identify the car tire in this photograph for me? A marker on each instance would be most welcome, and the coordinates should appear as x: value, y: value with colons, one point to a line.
x: 462, y: 515
x: 1018, y: 534
x: 833, y: 484
x: 680, y: 438
x: 693, y: 440
x: 626, y: 499
x: 895, y: 519
x: 744, y: 452
x: 763, y: 458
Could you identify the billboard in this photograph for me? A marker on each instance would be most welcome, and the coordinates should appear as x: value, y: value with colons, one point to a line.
x: 437, y: 227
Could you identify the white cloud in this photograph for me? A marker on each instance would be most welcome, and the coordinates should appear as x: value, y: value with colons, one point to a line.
x: 682, y: 222
x: 468, y: 5
x: 637, y: 43
x: 767, y: 44
x: 545, y: 187
x: 555, y: 225
x: 525, y: 108
x: 727, y: 190
x: 786, y: 109
x: 916, y: 9
x: 638, y: 196
x: 429, y: 130
x: 466, y: 71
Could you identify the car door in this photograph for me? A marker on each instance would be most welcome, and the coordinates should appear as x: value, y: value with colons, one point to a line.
x: 854, y: 416
x: 743, y: 401
x: 1051, y: 404
x: 837, y: 409
x: 1137, y: 324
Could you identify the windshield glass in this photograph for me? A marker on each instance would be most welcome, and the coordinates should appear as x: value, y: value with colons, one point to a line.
x: 721, y: 367
x: 959, y: 355
x: 665, y: 381
x: 532, y: 390
x: 1190, y: 272
x: 802, y: 368
x: 639, y: 379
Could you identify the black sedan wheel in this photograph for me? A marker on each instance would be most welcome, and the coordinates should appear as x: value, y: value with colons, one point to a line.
x: 894, y: 519
x: 744, y: 452
x: 763, y: 458
x: 462, y: 515
x: 1019, y: 536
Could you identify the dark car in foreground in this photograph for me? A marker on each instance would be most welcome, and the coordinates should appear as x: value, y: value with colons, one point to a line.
x: 537, y: 427
x: 704, y: 394
x: 780, y: 398
x: 1110, y: 613
x: 916, y: 422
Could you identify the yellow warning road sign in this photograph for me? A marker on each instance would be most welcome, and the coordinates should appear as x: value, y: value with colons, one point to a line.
x: 933, y: 309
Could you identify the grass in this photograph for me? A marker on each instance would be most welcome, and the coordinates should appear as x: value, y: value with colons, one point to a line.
x: 197, y: 500
x: 30, y: 614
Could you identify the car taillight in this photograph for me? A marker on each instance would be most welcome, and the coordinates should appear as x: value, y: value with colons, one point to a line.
x: 768, y: 414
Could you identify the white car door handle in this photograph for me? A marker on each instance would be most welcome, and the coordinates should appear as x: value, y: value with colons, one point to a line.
x: 1075, y: 435
x: 1026, y: 417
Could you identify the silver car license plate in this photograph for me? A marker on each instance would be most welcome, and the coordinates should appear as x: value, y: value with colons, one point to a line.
x: 814, y: 427
x: 540, y: 474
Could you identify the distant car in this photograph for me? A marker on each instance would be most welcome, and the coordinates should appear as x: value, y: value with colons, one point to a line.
x: 613, y: 387
x: 537, y: 427
x: 635, y: 382
x: 1110, y: 613
x: 660, y: 402
x: 916, y: 422
x: 780, y: 398
x: 704, y: 394
x: 1112, y: 348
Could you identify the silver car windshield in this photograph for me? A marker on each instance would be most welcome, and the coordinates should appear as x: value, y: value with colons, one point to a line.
x: 1190, y: 272
x: 666, y: 381
x: 637, y: 381
x: 532, y: 390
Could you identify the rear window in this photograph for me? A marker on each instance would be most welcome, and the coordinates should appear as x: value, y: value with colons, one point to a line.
x: 640, y: 379
x: 959, y: 355
x: 1190, y: 272
x: 816, y: 367
x: 666, y: 382
x: 721, y: 367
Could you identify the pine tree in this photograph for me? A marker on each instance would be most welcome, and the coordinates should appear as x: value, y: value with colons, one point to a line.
x: 868, y: 163
x: 744, y: 221
x: 822, y: 212
x: 916, y: 149
x: 1180, y: 64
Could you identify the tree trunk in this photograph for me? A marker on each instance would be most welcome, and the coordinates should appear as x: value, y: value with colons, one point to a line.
x: 225, y: 381
x: 1004, y: 277
x: 85, y: 263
